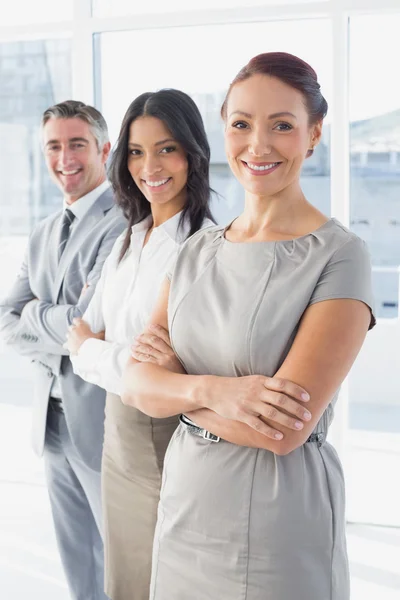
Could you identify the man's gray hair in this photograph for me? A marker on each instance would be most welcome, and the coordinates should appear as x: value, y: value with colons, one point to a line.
x: 73, y: 109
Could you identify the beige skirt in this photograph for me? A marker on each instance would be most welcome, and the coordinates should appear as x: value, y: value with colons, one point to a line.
x: 133, y: 456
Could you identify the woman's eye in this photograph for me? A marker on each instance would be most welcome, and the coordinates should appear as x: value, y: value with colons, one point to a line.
x: 239, y: 125
x: 283, y: 127
x: 134, y: 152
x: 168, y: 149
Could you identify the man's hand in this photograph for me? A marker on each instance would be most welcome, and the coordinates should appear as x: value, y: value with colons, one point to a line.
x: 78, y: 333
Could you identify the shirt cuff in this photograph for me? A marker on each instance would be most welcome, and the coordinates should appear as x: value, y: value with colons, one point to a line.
x: 85, y: 362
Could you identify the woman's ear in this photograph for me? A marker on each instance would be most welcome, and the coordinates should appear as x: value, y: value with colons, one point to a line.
x: 315, y: 137
x: 316, y: 133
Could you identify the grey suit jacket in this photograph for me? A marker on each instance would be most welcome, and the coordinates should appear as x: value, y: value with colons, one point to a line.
x: 38, y: 329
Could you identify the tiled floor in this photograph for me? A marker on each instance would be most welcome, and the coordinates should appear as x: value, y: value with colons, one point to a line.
x: 29, y: 564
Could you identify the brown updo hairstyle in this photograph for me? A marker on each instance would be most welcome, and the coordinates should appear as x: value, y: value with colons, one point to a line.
x: 290, y: 70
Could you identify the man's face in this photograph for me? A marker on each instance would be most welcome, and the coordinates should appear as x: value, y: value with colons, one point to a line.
x: 74, y: 161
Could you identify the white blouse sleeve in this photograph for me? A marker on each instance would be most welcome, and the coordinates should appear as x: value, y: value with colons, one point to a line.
x: 102, y: 363
x: 97, y: 361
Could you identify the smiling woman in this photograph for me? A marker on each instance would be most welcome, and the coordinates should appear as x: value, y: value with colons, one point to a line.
x: 160, y: 173
x: 252, y: 503
x: 171, y: 152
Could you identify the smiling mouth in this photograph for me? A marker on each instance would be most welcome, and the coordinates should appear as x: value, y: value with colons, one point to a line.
x: 69, y: 173
x: 261, y: 168
x: 157, y: 184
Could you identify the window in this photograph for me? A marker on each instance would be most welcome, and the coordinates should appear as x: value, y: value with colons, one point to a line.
x: 374, y: 392
x: 33, y: 75
x: 375, y: 149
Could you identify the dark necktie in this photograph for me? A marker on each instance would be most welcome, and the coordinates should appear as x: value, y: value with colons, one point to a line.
x: 67, y: 218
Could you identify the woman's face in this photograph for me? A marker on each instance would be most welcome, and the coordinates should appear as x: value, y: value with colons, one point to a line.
x: 157, y: 163
x: 267, y: 134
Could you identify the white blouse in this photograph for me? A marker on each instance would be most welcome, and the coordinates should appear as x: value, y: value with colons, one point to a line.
x: 124, y: 299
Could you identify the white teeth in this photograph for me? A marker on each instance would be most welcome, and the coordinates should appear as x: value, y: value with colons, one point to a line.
x: 69, y: 172
x: 157, y: 183
x: 261, y: 167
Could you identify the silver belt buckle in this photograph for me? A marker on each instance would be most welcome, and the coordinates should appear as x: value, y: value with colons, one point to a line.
x: 207, y: 435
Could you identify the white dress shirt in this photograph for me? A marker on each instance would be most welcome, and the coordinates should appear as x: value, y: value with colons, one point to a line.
x: 124, y: 299
x: 79, y: 208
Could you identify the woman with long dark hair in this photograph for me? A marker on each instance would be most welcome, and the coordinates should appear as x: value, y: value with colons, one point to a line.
x: 252, y: 509
x: 160, y: 174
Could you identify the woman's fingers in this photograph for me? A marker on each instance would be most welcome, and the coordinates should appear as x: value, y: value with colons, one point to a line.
x: 288, y: 388
x: 147, y: 350
x: 142, y: 357
x: 270, y: 412
x: 258, y: 425
x: 155, y: 342
x: 161, y: 333
x: 280, y: 403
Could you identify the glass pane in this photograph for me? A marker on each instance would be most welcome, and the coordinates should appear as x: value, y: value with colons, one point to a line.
x: 206, y: 76
x: 375, y: 149
x: 374, y: 416
x: 26, y: 12
x: 105, y: 8
x: 33, y: 76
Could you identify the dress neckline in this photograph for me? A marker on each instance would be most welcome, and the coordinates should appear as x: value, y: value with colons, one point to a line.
x: 327, y: 223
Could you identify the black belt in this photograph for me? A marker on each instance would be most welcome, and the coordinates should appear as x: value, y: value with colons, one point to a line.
x: 318, y: 438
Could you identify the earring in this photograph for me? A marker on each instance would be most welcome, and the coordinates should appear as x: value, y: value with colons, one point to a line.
x: 310, y: 152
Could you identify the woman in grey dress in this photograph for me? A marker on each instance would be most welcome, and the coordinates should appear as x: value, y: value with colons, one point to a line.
x: 252, y: 509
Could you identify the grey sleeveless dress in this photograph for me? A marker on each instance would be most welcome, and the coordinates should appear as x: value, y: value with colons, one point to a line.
x: 238, y: 523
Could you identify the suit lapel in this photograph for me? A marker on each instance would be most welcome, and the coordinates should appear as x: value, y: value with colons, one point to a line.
x: 79, y: 235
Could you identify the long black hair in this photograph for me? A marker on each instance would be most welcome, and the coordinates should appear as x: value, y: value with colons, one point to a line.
x: 181, y: 116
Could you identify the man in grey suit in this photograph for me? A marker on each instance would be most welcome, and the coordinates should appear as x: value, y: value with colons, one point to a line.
x: 63, y: 262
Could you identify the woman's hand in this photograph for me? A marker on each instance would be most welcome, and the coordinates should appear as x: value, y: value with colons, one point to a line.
x: 154, y: 346
x: 259, y: 402
x: 79, y: 332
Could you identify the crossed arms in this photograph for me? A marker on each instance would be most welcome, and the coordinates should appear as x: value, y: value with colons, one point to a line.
x: 239, y: 410
x: 35, y: 327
